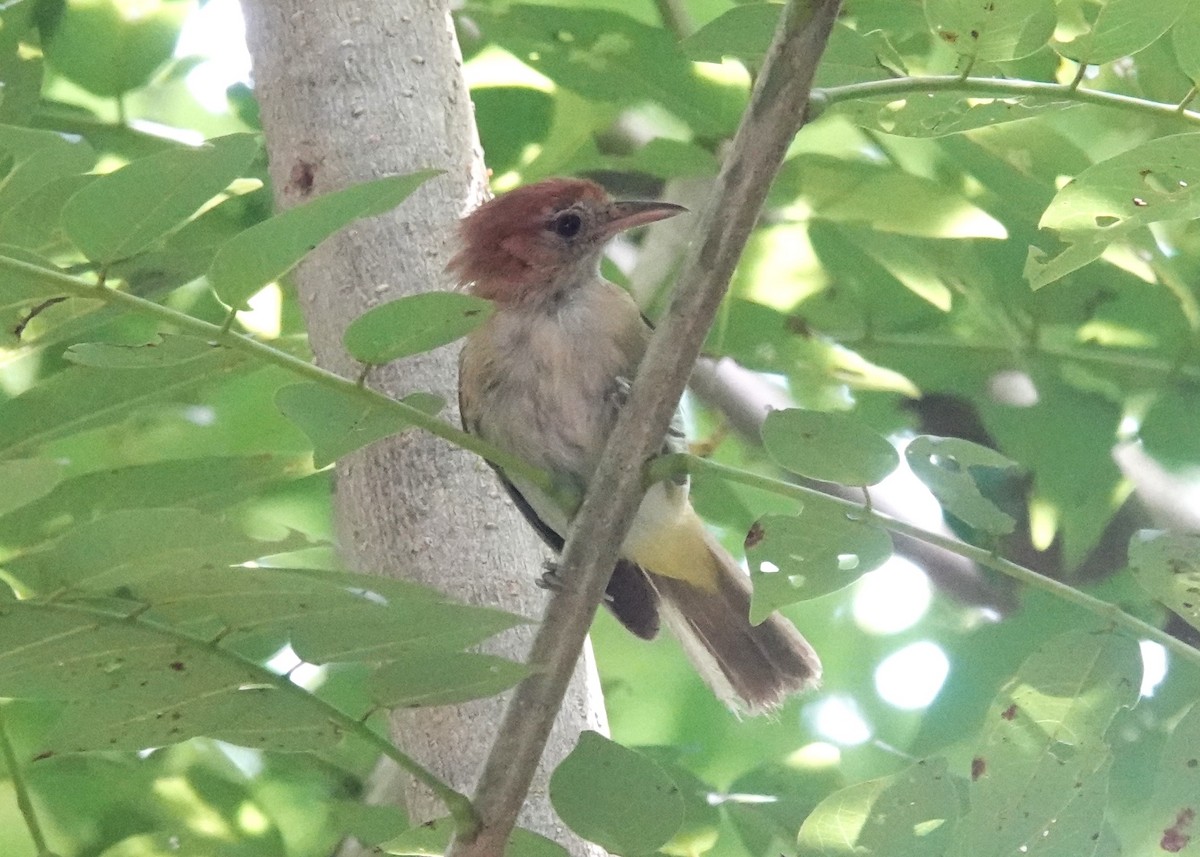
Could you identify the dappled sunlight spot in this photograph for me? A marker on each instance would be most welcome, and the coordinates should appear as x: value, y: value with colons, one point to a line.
x: 1098, y: 332
x: 779, y: 268
x: 838, y: 719
x: 911, y: 677
x: 183, y: 799
x: 265, y: 316
x: 814, y: 756
x: 250, y: 819
x: 1043, y: 522
x: 1154, y: 666
x: 287, y: 663
x: 728, y: 72
x: 494, y: 66
x: 892, y: 598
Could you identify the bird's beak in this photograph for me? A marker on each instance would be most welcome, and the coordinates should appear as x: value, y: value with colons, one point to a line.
x: 626, y: 215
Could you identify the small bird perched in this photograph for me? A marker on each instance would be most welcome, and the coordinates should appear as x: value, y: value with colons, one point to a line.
x: 544, y: 378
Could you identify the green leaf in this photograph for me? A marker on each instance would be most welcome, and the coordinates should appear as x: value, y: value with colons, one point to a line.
x: 743, y: 33
x: 391, y: 619
x: 84, y: 397
x: 203, y: 484
x: 39, y: 158
x: 413, y: 324
x: 911, y: 814
x: 436, y: 678
x: 821, y: 550
x: 26, y: 481
x: 1158, y: 180
x: 130, y: 685
x: 1040, y: 772
x: 992, y: 30
x: 1178, y: 783
x: 268, y: 250
x: 848, y: 191
x: 163, y: 351
x: 35, y: 222
x: 1185, y: 35
x: 108, y: 49
x: 1167, y: 565
x: 432, y: 839
x: 1105, y: 30
x: 950, y: 467
x: 123, y: 212
x: 832, y: 447
x: 126, y: 545
x: 939, y: 114
x: 610, y: 57
x: 338, y: 423
x: 615, y: 797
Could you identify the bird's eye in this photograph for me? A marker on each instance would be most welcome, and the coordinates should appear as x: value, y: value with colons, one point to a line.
x: 567, y: 224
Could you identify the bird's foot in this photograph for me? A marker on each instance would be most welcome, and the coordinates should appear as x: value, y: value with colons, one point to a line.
x: 618, y: 394
x: 550, y: 579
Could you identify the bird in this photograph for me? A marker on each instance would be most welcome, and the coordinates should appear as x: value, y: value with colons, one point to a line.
x: 544, y: 378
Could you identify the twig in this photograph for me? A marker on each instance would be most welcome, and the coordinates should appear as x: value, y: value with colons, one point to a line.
x: 745, y: 398
x: 1005, y: 88
x: 776, y: 112
x: 669, y: 466
x: 16, y: 775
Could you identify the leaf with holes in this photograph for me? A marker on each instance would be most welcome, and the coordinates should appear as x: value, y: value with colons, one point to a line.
x: 832, y: 447
x: 911, y: 814
x: 1158, y: 180
x: 1040, y: 771
x: 413, y: 324
x: 338, y: 423
x: 1176, y: 800
x: 950, y: 467
x: 821, y: 550
x: 939, y: 114
x: 128, y: 685
x: 123, y: 212
x: 1167, y: 565
x: 268, y: 250
x: 615, y: 797
x: 992, y: 30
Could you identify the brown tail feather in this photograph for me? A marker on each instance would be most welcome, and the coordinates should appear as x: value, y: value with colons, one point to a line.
x: 752, y: 667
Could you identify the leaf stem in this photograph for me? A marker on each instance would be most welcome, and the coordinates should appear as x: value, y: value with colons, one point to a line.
x: 1002, y: 87
x: 53, y: 281
x: 24, y: 800
x: 676, y: 464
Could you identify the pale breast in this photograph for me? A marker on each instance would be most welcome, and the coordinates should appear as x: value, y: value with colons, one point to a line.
x: 544, y: 376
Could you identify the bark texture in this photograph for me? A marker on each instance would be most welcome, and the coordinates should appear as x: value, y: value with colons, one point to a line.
x: 352, y: 91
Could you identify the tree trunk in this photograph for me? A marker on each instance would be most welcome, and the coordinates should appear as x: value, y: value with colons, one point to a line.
x: 352, y: 91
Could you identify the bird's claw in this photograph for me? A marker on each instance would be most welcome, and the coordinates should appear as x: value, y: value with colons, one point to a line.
x: 619, y: 393
x: 550, y: 579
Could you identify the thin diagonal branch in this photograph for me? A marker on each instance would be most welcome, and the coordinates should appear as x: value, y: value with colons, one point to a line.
x: 776, y: 112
